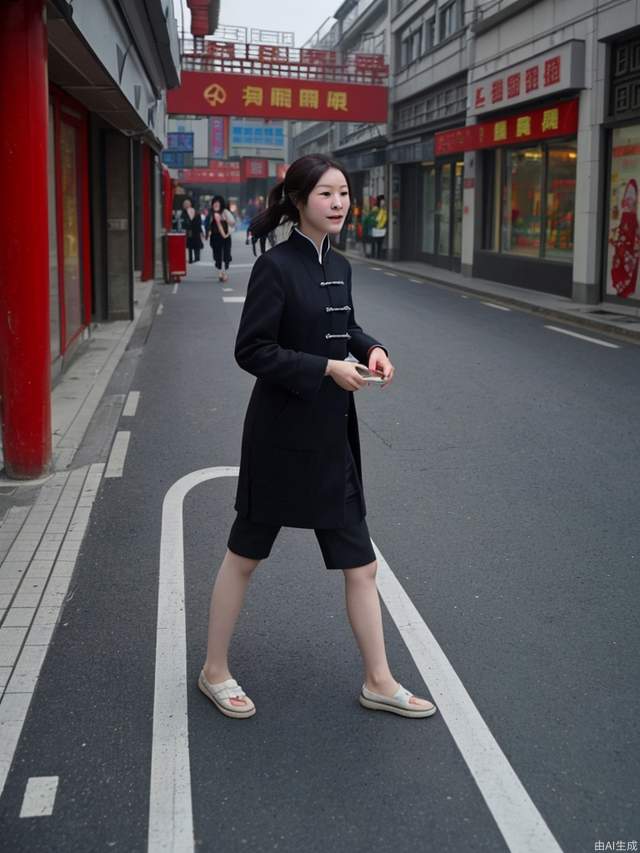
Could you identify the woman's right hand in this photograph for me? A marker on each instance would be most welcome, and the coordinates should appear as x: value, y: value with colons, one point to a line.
x: 345, y: 374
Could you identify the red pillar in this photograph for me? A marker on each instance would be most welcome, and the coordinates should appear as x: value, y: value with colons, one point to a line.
x: 24, y: 241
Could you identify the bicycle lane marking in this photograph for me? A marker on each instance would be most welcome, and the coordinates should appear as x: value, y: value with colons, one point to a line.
x: 170, y: 805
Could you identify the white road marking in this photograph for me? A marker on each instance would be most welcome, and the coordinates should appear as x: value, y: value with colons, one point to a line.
x: 39, y: 796
x: 392, y: 274
x: 160, y: 308
x: 115, y: 465
x: 233, y: 298
x: 416, y: 280
x: 499, y: 307
x: 170, y: 805
x: 520, y: 823
x: 132, y: 404
x: 234, y: 267
x: 227, y: 289
x: 464, y: 297
x: 582, y: 337
x: 377, y: 269
x: 175, y: 287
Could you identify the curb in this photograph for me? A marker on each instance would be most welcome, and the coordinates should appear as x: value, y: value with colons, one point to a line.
x: 614, y: 331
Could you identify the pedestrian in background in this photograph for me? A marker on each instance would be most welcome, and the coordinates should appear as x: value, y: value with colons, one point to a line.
x: 192, y: 224
x: 379, y: 229
x: 300, y: 461
x: 219, y: 236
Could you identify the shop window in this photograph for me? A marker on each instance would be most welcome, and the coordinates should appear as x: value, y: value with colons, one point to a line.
x: 623, y: 232
x: 522, y: 196
x: 532, y: 201
x: 560, y: 199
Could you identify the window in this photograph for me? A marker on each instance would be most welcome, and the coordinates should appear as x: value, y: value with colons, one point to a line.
x: 430, y: 33
x: 450, y: 19
x: 410, y: 44
x: 532, y: 209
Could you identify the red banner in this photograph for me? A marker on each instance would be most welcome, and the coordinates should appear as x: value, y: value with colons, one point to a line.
x: 254, y: 167
x: 560, y: 119
x: 202, y: 93
x: 217, y: 172
x: 281, y: 171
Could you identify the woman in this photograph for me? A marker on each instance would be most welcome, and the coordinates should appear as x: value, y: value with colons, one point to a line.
x: 379, y: 230
x: 219, y: 236
x: 300, y: 463
x: 625, y: 240
x: 192, y: 224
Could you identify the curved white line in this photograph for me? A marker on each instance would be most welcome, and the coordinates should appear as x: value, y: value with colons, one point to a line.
x: 170, y: 806
x: 170, y: 811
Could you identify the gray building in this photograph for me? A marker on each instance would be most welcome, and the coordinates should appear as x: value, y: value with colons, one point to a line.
x: 513, y: 142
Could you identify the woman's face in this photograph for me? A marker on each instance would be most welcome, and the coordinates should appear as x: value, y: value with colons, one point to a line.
x: 327, y: 204
x: 216, y: 206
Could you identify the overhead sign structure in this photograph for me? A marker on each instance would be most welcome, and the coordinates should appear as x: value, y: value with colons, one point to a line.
x: 202, y: 93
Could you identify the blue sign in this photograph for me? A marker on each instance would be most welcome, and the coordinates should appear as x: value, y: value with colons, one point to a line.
x: 180, y: 141
x: 258, y: 135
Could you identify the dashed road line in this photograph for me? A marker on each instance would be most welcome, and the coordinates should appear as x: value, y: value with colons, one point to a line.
x: 160, y: 309
x: 499, y: 307
x: 392, y: 274
x: 39, y: 796
x: 115, y: 465
x: 233, y: 298
x: 131, y: 405
x: 376, y: 269
x: 227, y: 289
x: 582, y: 337
x: 175, y: 287
x: 170, y: 804
x: 416, y: 280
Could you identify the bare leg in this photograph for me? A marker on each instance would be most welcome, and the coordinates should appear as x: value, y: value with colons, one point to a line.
x: 226, y: 602
x: 365, y: 615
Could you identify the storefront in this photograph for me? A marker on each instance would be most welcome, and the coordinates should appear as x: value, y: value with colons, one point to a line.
x: 68, y: 223
x: 525, y: 170
x: 622, y: 233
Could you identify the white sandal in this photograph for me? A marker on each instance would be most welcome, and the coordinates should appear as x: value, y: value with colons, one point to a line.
x: 221, y: 693
x: 397, y: 704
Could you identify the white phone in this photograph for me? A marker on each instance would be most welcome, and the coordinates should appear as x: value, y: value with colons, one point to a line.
x: 368, y: 376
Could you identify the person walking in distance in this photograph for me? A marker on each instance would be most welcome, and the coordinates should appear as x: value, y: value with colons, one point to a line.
x: 219, y: 236
x: 300, y: 460
x: 379, y: 230
x: 192, y: 224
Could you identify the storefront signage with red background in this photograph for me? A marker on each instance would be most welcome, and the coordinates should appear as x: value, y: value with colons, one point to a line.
x: 557, y: 70
x: 559, y: 119
x: 203, y: 93
x: 281, y: 170
x: 254, y: 167
x: 218, y: 171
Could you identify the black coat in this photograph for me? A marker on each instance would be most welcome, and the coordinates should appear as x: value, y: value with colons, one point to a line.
x: 194, y: 229
x: 298, y: 422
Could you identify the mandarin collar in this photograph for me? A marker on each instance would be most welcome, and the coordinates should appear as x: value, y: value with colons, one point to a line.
x: 306, y: 244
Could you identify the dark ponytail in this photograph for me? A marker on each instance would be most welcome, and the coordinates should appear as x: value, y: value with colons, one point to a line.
x: 301, y: 177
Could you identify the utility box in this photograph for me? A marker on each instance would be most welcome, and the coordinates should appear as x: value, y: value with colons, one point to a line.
x: 177, y: 254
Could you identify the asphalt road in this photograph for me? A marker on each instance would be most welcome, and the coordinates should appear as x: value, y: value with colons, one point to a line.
x: 502, y: 481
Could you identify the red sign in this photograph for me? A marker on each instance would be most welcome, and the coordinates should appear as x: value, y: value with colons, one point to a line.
x: 254, y: 167
x: 281, y: 170
x: 557, y: 120
x: 217, y: 172
x: 202, y: 93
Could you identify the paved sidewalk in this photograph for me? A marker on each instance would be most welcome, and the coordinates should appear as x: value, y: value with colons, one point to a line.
x: 43, y: 522
x: 617, y: 321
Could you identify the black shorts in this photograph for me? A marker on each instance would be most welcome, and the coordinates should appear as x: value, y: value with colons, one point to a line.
x: 342, y: 548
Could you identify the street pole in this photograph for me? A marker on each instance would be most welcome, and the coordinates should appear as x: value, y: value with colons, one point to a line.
x: 24, y: 241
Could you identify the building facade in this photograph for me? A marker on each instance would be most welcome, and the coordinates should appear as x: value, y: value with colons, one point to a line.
x: 83, y: 123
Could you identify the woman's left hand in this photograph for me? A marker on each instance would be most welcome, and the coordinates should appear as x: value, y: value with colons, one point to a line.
x: 379, y: 363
